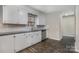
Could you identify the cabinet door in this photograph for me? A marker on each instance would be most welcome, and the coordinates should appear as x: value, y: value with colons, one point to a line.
x: 32, y: 38
x: 6, y: 44
x: 36, y: 37
x: 14, y: 15
x: 10, y: 14
x: 22, y: 16
x: 19, y: 42
x: 28, y: 40
x: 40, y: 20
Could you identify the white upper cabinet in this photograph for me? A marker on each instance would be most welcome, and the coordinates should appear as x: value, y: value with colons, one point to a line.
x: 23, y: 16
x: 41, y: 19
x: 14, y: 15
x: 19, y: 15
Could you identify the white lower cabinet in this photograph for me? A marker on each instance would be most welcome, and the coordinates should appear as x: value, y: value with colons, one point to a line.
x: 28, y: 39
x: 17, y: 42
x: 33, y: 37
x: 6, y: 44
x: 25, y: 40
x: 36, y: 37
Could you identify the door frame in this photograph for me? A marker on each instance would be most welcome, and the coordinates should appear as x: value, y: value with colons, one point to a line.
x: 60, y: 25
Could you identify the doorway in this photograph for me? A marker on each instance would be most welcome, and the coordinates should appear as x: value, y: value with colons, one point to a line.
x: 68, y: 25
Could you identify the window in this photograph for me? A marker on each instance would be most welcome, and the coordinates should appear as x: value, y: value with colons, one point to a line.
x: 31, y: 19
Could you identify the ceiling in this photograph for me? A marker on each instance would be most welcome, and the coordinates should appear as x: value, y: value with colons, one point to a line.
x: 53, y: 8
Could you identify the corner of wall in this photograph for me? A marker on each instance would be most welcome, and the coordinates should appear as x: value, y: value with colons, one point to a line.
x: 58, y: 39
x: 76, y: 49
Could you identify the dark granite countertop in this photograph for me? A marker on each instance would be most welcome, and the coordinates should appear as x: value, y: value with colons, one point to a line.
x: 18, y: 32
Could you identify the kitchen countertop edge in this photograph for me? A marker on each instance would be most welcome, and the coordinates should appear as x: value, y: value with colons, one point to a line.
x: 18, y: 32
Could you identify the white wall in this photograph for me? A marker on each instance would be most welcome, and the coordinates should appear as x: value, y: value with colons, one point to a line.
x: 53, y: 23
x: 77, y: 29
x: 68, y: 25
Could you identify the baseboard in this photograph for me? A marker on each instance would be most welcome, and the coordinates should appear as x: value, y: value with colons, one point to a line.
x: 76, y: 50
x: 69, y: 35
x: 54, y: 39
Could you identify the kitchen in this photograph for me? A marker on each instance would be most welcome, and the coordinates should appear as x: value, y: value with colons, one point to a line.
x: 16, y: 31
x: 23, y: 26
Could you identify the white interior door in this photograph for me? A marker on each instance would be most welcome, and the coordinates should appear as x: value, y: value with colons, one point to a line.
x: 68, y: 25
